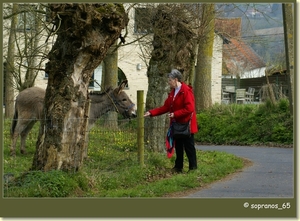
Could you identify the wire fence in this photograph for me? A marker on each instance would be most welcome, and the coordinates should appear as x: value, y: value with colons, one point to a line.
x: 106, y: 138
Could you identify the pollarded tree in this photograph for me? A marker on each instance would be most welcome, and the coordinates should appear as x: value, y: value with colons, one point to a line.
x: 84, y: 34
x: 173, y: 39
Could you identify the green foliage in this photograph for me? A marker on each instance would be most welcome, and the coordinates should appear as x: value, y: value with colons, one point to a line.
x: 112, y: 169
x: 247, y: 124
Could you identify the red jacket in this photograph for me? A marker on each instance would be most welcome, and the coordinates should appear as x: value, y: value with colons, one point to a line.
x: 182, y: 106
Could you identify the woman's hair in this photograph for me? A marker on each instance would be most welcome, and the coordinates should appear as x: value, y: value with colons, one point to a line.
x: 175, y: 74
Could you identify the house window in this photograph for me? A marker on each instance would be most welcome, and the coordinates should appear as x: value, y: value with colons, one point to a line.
x: 142, y: 20
x: 92, y: 82
x: 121, y: 77
x: 26, y: 17
x: 96, y: 78
x: 48, y: 15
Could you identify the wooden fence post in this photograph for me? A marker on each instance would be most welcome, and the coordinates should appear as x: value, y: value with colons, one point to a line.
x: 140, y: 132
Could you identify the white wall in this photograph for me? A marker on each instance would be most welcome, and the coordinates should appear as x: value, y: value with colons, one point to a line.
x: 256, y: 73
x: 137, y: 79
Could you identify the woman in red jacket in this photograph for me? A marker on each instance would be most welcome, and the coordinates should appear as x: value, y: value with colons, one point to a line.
x: 180, y: 105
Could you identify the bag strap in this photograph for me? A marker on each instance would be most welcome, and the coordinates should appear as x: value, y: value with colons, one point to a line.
x: 191, y: 116
x: 189, y: 119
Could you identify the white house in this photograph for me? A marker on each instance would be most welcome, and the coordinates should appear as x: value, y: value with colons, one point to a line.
x: 134, y: 66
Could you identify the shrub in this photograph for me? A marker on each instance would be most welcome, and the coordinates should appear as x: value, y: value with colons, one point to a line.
x: 246, y: 124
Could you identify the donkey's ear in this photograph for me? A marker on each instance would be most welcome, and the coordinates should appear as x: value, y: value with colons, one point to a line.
x: 122, y: 86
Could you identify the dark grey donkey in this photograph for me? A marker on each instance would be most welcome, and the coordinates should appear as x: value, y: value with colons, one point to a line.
x: 30, y: 103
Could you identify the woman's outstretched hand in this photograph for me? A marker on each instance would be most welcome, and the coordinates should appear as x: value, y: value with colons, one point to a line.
x: 147, y: 114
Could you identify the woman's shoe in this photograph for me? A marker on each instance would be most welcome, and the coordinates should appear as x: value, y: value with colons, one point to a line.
x: 176, y: 170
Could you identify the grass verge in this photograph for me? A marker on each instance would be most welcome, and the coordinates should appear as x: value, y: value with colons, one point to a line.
x: 112, y: 170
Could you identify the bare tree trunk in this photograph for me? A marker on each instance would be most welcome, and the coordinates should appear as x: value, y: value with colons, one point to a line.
x: 270, y: 91
x: 32, y: 52
x: 173, y: 48
x: 288, y: 25
x: 85, y: 32
x: 9, y: 79
x: 191, y: 78
x: 204, y: 60
x: 110, y: 68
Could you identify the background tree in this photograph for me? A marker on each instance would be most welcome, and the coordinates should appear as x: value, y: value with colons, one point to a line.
x: 30, y: 53
x: 31, y: 50
x: 84, y: 34
x: 288, y: 24
x: 10, y: 66
x: 172, y: 48
x: 206, y: 33
x: 25, y: 50
x: 110, y: 79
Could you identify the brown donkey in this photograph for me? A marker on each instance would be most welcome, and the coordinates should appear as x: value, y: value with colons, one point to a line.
x: 30, y: 104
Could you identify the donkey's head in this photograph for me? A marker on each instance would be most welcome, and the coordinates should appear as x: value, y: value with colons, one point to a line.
x: 122, y: 102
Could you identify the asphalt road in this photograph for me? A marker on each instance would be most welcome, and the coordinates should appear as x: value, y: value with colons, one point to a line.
x: 270, y: 175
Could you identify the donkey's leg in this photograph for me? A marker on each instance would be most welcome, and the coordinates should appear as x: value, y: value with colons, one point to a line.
x: 18, y: 129
x: 14, y: 139
x: 24, y: 135
x: 15, y: 135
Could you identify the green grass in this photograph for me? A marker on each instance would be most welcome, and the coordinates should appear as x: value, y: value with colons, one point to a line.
x: 112, y: 169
